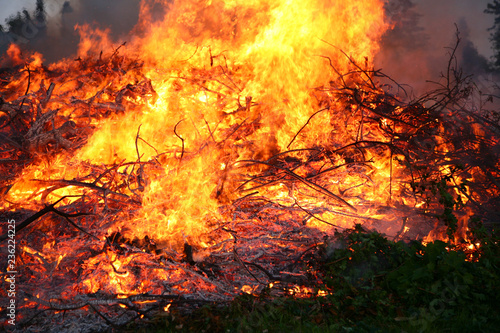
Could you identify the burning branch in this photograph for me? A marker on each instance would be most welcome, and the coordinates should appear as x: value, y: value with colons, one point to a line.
x: 237, y: 209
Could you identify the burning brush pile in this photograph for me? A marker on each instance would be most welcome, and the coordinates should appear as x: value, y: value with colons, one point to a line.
x: 215, y: 150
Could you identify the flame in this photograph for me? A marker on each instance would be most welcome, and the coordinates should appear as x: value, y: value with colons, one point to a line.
x: 14, y: 54
x: 171, y: 118
x: 256, y: 65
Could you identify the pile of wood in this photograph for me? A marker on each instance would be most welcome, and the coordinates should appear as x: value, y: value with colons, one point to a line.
x: 446, y: 149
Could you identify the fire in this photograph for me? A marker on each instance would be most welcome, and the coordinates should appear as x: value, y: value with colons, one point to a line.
x: 14, y: 54
x: 265, y: 62
x: 169, y: 141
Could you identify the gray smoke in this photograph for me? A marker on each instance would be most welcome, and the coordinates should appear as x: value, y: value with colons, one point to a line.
x: 56, y: 38
x: 425, y: 32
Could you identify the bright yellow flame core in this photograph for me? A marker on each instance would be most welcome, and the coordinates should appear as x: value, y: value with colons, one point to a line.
x: 220, y: 64
x: 273, y: 52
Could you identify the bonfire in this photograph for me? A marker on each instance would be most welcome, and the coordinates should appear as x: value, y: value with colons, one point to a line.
x: 212, y: 151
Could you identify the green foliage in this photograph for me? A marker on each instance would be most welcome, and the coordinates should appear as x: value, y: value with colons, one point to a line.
x: 427, y: 286
x: 372, y: 285
x: 438, y: 190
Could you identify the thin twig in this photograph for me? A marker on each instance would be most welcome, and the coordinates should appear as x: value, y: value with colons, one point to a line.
x: 314, y: 216
x: 305, y: 181
x: 37, y: 215
x: 307, y: 122
x: 182, y: 140
x: 67, y: 218
x: 237, y: 257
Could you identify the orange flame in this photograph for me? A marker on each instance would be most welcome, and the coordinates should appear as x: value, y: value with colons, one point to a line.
x: 215, y: 66
x: 203, y: 89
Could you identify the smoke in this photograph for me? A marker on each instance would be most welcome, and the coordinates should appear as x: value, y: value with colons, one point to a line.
x: 55, y: 37
x: 417, y: 50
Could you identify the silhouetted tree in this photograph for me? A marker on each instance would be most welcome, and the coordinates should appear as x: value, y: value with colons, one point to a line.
x: 40, y: 12
x: 16, y: 22
x: 494, y: 8
x: 24, y: 26
x: 406, y: 30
